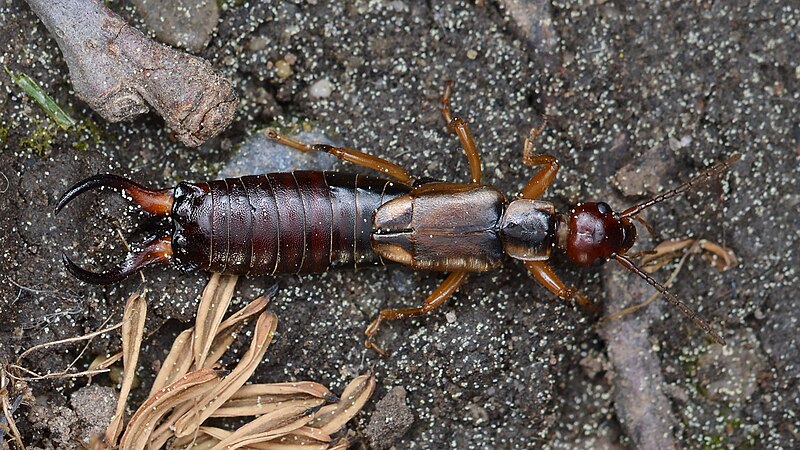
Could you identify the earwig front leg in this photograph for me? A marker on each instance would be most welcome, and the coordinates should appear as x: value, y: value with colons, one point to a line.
x: 544, y: 274
x: 460, y: 128
x: 345, y: 154
x: 448, y: 287
x: 545, y: 176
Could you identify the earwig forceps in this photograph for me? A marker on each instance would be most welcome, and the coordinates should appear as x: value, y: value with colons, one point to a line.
x: 156, y: 250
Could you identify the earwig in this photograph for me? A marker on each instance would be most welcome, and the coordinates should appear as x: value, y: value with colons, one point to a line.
x: 310, y: 222
x: 279, y: 223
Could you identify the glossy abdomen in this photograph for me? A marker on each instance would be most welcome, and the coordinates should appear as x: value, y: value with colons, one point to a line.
x: 298, y: 222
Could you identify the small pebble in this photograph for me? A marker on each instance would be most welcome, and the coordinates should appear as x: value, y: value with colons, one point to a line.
x: 321, y: 89
x: 283, y: 69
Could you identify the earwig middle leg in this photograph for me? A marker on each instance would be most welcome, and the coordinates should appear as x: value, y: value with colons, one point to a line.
x: 544, y: 274
x: 542, y: 179
x: 460, y: 128
x: 448, y: 287
x: 345, y: 154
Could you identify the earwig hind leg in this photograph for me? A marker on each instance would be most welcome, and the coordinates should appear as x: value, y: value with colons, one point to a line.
x: 544, y: 177
x: 345, y: 154
x: 458, y: 126
x: 448, y: 287
x: 544, y: 274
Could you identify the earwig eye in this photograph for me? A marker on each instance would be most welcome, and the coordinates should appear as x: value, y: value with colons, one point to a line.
x: 603, y: 208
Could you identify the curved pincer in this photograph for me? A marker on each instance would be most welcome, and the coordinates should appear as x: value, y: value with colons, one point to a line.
x: 156, y: 250
x: 154, y: 201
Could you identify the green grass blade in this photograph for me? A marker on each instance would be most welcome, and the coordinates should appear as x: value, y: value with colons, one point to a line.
x: 32, y: 88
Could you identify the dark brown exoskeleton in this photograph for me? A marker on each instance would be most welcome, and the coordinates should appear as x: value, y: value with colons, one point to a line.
x: 278, y: 223
x: 305, y: 222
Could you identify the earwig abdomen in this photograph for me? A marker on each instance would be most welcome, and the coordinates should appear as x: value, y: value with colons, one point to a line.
x: 299, y: 222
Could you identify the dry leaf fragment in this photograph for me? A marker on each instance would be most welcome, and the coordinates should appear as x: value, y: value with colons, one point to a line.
x: 720, y: 257
x: 104, y: 362
x: 226, y: 332
x: 213, y: 304
x: 210, y: 436
x: 187, y: 388
x: 262, y: 336
x: 269, y: 426
x: 256, y: 406
x: 179, y: 360
x: 284, y: 410
x: 132, y: 332
x: 289, y: 389
x: 166, y: 430
x: 664, y: 253
x: 250, y: 310
x: 333, y: 417
x: 177, y: 363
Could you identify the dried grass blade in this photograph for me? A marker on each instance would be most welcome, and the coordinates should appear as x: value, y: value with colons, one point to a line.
x: 10, y: 426
x: 190, y: 386
x: 177, y: 363
x: 132, y: 332
x: 256, y: 406
x: 203, y: 441
x: 354, y: 398
x: 311, y: 433
x: 286, y: 389
x: 249, y: 310
x: 341, y: 444
x: 268, y: 427
x: 721, y: 257
x: 212, y: 308
x: 166, y: 430
x: 278, y: 444
x: 303, y: 438
x: 104, y: 362
x: 663, y: 253
x: 264, y: 331
x: 226, y: 331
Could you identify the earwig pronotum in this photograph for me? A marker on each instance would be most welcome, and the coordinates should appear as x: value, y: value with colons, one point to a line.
x: 308, y: 222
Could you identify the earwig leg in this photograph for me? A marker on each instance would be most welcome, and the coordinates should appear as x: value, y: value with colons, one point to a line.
x: 448, y: 287
x: 545, y: 176
x: 345, y: 154
x: 460, y: 128
x: 544, y: 274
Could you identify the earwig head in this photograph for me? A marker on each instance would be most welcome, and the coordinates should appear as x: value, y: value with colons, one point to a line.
x: 158, y: 202
x: 595, y: 234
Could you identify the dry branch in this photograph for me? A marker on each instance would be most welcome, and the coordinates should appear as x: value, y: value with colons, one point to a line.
x: 118, y: 71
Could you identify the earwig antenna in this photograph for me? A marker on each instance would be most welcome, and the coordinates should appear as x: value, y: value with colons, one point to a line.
x: 702, y: 178
x: 699, y: 321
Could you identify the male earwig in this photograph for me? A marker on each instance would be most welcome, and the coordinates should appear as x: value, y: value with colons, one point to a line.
x: 308, y: 222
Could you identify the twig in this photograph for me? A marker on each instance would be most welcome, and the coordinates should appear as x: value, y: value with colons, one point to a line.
x: 72, y: 339
x: 118, y: 71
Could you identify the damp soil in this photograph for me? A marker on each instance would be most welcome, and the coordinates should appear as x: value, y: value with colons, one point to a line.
x: 637, y: 98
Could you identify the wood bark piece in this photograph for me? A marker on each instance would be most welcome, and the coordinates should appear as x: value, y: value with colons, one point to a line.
x: 642, y: 407
x: 118, y: 71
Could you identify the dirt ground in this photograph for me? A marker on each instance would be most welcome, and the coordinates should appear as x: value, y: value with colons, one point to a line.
x: 652, y: 92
